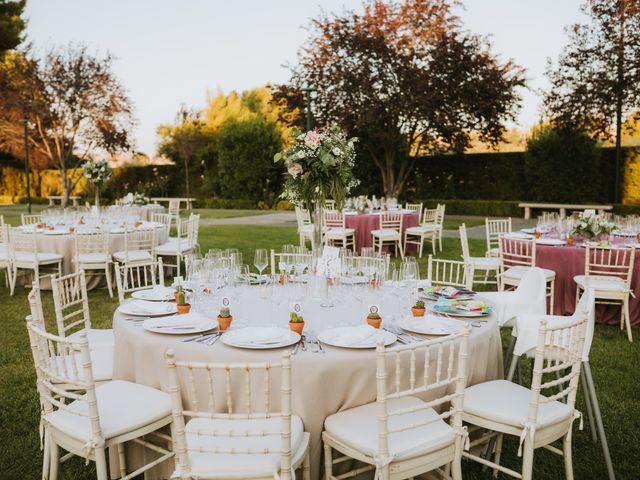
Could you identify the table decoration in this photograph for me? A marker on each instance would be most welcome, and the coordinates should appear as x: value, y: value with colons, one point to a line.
x: 182, y: 305
x: 97, y: 172
x: 435, y: 293
x: 296, y: 320
x: 418, y: 309
x: 260, y: 338
x: 189, y: 323
x: 431, y: 325
x: 373, y: 318
x: 148, y: 309
x: 360, y: 337
x: 591, y: 227
x: 224, y: 319
x: 457, y: 308
x: 137, y: 199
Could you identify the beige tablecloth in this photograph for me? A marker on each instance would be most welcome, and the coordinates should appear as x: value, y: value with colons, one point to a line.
x: 65, y: 245
x: 146, y: 211
x: 322, y: 383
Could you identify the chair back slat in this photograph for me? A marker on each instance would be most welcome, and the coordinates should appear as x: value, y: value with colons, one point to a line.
x: 91, y: 242
x: 391, y: 220
x: 163, y: 218
x: 494, y: 228
x: 22, y: 242
x: 31, y: 218
x: 464, y: 242
x: 334, y: 219
x: 131, y: 278
x: 71, y: 302
x: 517, y: 252
x: 452, y: 273
x: 414, y: 207
x: 139, y: 240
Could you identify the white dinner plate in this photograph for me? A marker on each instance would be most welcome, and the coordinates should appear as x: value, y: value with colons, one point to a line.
x: 431, y: 325
x: 155, y: 294
x: 180, y: 324
x: 363, y: 336
x: 356, y: 280
x: 56, y: 232
x: 260, y: 338
x: 623, y: 233
x: 142, y: 308
x: 534, y: 229
x: 550, y: 241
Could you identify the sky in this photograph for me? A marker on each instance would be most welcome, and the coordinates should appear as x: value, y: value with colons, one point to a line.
x: 171, y: 52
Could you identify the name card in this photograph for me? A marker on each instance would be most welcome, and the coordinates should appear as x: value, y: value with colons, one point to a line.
x: 295, y: 307
x: 225, y: 302
x: 329, y: 264
x: 374, y: 308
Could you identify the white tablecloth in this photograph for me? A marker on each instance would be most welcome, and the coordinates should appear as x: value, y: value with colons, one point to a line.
x: 322, y: 383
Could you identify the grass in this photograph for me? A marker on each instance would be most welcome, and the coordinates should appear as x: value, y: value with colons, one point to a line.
x: 614, y: 362
x: 209, y: 213
x: 455, y: 222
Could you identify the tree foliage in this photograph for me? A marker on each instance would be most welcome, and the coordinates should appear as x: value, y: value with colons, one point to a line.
x: 11, y: 25
x: 407, y: 80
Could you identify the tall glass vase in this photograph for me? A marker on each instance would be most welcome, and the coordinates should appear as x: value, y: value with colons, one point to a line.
x: 97, y: 193
x: 318, y: 218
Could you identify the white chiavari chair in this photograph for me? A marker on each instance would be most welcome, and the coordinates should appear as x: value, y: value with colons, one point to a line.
x: 86, y: 419
x: 278, y: 260
x: 609, y: 272
x: 174, y: 208
x: 431, y: 227
x: 139, y: 247
x: 330, y: 204
x: 305, y: 227
x: 5, y: 259
x: 218, y: 436
x: 484, y: 265
x: 400, y: 435
x: 517, y: 255
x: 449, y: 273
x: 24, y: 255
x: 494, y: 227
x: 31, y: 218
x: 415, y: 208
x: 163, y: 219
x: 539, y: 415
x: 389, y: 233
x: 73, y: 318
x: 92, y: 254
x: 184, y: 243
x: 137, y: 277
x: 336, y: 232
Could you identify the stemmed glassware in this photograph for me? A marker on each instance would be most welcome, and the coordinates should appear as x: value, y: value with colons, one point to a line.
x: 260, y: 260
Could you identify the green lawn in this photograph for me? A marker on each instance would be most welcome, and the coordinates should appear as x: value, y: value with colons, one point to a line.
x: 614, y: 363
x: 454, y: 223
x: 210, y: 213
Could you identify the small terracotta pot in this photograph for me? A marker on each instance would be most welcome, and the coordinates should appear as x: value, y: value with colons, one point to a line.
x: 536, y: 234
x: 175, y: 296
x: 72, y: 229
x: 136, y: 224
x: 183, y: 308
x: 296, y: 327
x: 570, y: 241
x: 224, y: 322
x: 374, y: 322
x: 418, y: 312
x: 40, y: 225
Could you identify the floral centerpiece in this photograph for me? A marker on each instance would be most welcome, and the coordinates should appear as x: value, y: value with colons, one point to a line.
x: 137, y: 199
x: 319, y: 167
x: 591, y: 226
x: 97, y: 172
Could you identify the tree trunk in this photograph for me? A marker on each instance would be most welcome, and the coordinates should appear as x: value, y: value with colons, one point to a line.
x: 186, y: 176
x: 65, y: 187
x: 619, y: 101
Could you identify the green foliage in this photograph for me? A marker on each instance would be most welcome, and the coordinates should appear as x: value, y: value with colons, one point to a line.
x: 11, y: 24
x: 295, y: 318
x: 419, y: 304
x: 244, y: 151
x: 562, y: 166
x: 224, y: 312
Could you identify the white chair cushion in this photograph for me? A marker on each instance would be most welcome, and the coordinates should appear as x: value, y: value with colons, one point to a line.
x: 486, y: 263
x: 220, y: 465
x: 603, y: 283
x: 358, y: 429
x: 122, y: 406
x: 518, y: 272
x: 421, y: 230
x: 97, y: 337
x: 508, y: 403
x: 385, y: 233
x: 42, y: 258
x: 339, y: 232
x: 173, y: 248
x: 134, y: 256
x: 94, y: 258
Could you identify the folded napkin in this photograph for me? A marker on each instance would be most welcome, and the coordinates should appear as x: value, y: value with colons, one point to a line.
x: 159, y: 291
x: 142, y: 306
x: 355, y: 336
x: 260, y: 335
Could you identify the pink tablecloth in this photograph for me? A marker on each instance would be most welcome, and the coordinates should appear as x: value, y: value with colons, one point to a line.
x: 363, y: 224
x: 568, y: 262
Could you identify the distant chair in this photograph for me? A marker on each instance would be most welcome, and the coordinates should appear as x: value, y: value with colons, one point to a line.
x: 447, y: 273
x: 132, y: 278
x: 92, y: 253
x: 139, y: 247
x: 336, y: 232
x: 164, y: 219
x: 389, y: 233
x: 24, y: 255
x: 5, y: 259
x: 483, y: 265
x: 330, y: 204
x: 305, y: 227
x: 493, y: 229
x: 415, y: 208
x: 184, y: 243
x: 31, y: 219
x: 431, y: 227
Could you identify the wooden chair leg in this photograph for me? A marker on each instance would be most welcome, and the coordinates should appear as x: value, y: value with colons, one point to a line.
x: 107, y: 274
x: 627, y: 317
x: 527, y: 460
x: 328, y: 462
x: 122, y: 460
x: 46, y: 456
x: 496, y: 457
x: 566, y: 453
x: 589, y: 408
x: 53, y: 460
x: 101, y: 464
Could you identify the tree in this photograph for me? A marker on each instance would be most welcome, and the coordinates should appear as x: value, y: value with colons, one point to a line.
x: 407, y: 80
x: 596, y: 82
x: 74, y: 106
x: 11, y: 25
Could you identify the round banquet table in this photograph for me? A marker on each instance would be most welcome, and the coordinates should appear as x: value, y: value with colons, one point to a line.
x: 567, y: 262
x: 323, y: 384
x: 366, y: 222
x: 146, y: 211
x: 65, y: 245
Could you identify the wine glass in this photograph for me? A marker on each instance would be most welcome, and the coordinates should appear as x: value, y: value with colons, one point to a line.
x: 260, y: 260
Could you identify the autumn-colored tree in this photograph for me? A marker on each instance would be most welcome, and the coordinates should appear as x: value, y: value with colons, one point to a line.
x: 407, y: 80
x: 596, y: 82
x: 11, y: 24
x: 74, y: 106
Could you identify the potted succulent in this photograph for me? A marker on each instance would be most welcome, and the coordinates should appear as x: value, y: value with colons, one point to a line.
x: 296, y: 322
x: 418, y: 309
x: 374, y: 319
x: 183, y: 306
x: 177, y: 292
x: 224, y: 319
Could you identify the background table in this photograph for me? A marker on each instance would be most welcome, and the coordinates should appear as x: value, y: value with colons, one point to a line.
x: 365, y: 223
x: 323, y: 384
x: 567, y: 262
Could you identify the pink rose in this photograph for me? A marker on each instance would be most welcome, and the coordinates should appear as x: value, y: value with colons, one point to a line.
x: 312, y: 138
x: 295, y: 169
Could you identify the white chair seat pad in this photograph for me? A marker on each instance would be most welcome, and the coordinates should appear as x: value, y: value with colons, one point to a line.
x: 123, y: 407
x: 422, y: 229
x: 133, y: 256
x: 485, y: 262
x: 602, y: 283
x: 357, y: 428
x: 172, y: 247
x: 220, y: 465
x: 94, y: 258
x: 518, y: 272
x: 385, y: 233
x: 97, y: 337
x: 508, y: 403
x: 339, y: 232
x: 41, y: 258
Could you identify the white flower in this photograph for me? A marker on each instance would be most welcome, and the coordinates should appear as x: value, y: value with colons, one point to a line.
x: 336, y: 151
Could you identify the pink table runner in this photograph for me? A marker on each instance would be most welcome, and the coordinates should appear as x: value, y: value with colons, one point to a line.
x: 365, y: 223
x: 568, y: 262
